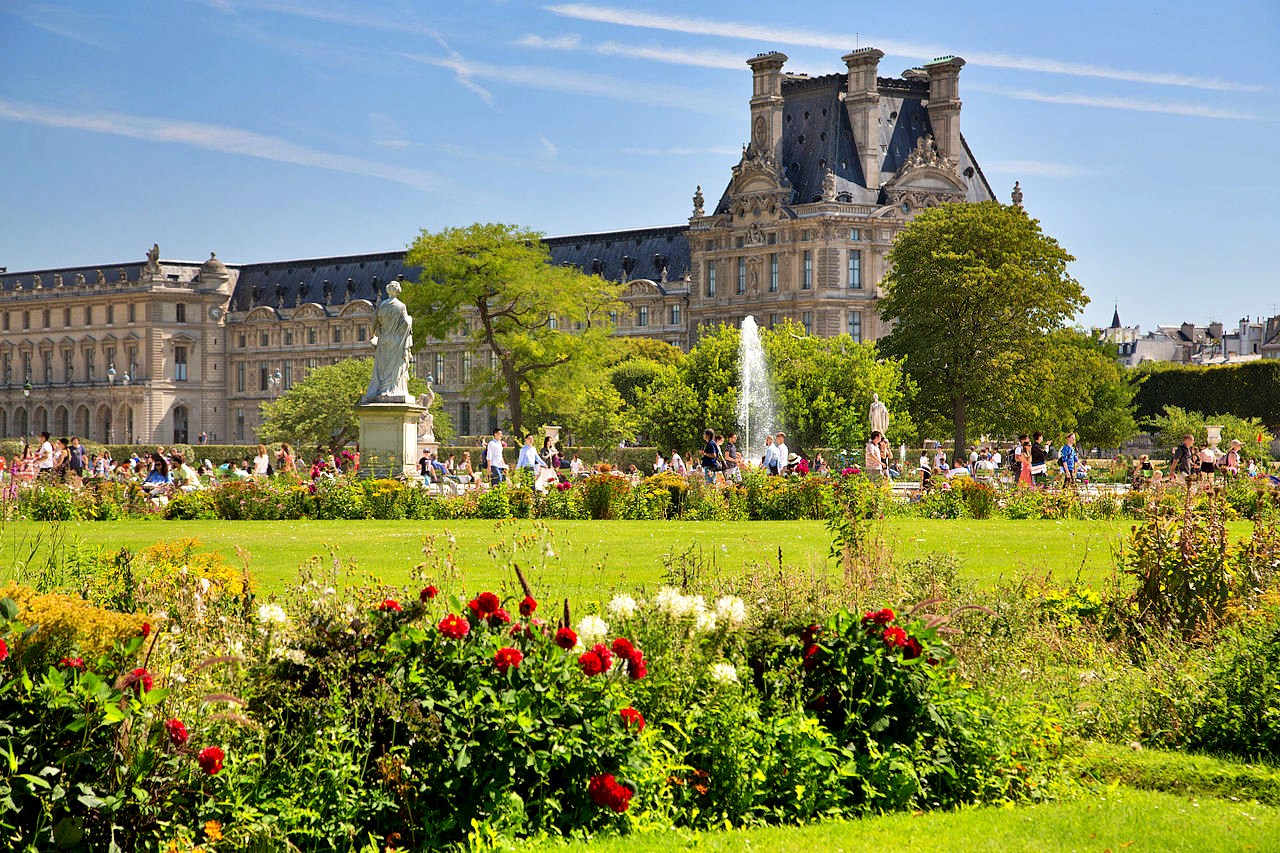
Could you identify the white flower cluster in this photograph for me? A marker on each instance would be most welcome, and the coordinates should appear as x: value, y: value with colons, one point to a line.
x: 730, y: 611
x: 623, y: 606
x: 592, y: 629
x: 724, y: 673
x: 272, y: 614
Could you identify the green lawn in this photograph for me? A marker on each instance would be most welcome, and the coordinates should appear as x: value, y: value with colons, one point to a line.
x: 1115, y: 819
x: 594, y: 557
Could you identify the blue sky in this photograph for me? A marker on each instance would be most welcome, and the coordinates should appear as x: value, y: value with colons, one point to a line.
x: 1143, y: 133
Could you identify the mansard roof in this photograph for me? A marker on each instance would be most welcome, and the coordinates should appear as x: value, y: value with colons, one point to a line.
x: 297, y: 282
x: 816, y: 135
x: 625, y: 255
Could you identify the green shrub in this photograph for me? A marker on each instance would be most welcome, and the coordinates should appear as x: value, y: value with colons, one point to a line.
x: 1239, y: 712
x: 494, y: 503
x: 603, y: 494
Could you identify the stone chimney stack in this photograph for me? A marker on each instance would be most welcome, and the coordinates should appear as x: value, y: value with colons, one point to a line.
x: 862, y: 102
x: 944, y: 104
x: 766, y: 105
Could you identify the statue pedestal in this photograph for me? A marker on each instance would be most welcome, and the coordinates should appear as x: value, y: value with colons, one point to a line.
x: 389, y: 439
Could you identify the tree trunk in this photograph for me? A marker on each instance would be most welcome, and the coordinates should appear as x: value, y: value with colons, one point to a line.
x: 958, y: 420
x: 513, y: 400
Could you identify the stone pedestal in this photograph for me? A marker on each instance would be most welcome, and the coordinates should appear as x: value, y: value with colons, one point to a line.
x: 389, y: 439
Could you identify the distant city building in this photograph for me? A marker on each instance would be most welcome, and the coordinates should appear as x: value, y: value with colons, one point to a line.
x: 1189, y: 343
x: 835, y: 167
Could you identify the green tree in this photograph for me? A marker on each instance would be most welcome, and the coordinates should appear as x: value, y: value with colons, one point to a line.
x: 319, y: 412
x: 972, y: 290
x: 669, y: 412
x: 495, y: 284
x: 603, y: 420
x: 1070, y: 382
x: 824, y: 387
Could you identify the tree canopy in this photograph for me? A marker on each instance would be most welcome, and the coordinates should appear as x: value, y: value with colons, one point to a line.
x: 495, y: 284
x: 319, y: 412
x: 974, y: 291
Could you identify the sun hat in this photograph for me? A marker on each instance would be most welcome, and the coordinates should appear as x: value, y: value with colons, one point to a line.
x: 792, y: 459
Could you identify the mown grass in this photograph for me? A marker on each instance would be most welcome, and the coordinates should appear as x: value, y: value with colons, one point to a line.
x: 1113, y: 819
x: 595, y: 557
x: 1182, y: 773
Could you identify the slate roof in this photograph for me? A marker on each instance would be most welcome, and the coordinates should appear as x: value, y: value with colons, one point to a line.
x: 133, y: 270
x: 816, y: 135
x: 615, y: 255
x: 349, y: 277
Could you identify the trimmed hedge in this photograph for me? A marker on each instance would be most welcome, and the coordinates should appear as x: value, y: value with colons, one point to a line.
x: 1250, y: 390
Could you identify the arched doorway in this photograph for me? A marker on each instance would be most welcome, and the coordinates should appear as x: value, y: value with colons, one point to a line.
x: 104, y: 424
x: 4, y: 423
x: 41, y: 420
x: 61, y: 421
x: 126, y: 435
x: 181, y: 421
x: 82, y: 420
x: 20, y: 423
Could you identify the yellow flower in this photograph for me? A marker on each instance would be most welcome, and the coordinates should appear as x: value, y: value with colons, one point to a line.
x: 213, y: 830
x: 173, y: 846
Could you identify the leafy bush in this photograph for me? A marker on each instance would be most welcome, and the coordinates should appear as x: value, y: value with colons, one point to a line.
x: 603, y: 494
x: 1239, y: 712
x: 979, y: 497
x: 67, y: 625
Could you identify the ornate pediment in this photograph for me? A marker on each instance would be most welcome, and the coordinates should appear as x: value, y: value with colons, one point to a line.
x: 640, y: 288
x: 758, y: 185
x: 926, y: 178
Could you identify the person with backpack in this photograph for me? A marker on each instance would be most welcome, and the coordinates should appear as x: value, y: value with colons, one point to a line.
x: 711, y: 463
x: 1186, y: 459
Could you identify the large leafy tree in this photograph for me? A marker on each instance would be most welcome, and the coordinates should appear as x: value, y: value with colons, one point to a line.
x: 496, y: 285
x: 319, y: 412
x: 973, y: 290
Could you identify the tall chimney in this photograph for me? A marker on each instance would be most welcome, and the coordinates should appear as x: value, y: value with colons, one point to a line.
x: 944, y: 104
x: 862, y: 102
x: 766, y: 104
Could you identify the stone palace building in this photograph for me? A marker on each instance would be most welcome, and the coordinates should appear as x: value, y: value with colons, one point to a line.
x: 161, y: 351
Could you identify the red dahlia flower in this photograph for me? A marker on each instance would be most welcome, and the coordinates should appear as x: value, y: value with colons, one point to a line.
x: 591, y: 663
x: 879, y: 617
x: 894, y: 637
x: 210, y: 759
x: 454, y: 627
x: 72, y: 663
x: 623, y: 648
x: 4, y: 650
x: 632, y: 717
x: 808, y: 635
x: 145, y: 630
x: 177, y: 731
x: 636, y: 667
x: 428, y: 592
x: 606, y: 793
x: 566, y: 638
x: 913, y: 649
x: 810, y: 657
x: 487, y: 603
x: 140, y: 680
x: 527, y: 606
x: 602, y: 651
x: 506, y: 658
x: 390, y: 605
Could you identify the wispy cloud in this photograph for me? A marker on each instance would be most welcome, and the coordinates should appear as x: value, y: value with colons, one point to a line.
x: 463, y: 70
x: 359, y: 16
x: 549, y: 147
x: 829, y: 40
x: 59, y: 20
x: 1035, y: 168
x: 579, y: 83
x: 652, y: 53
x: 681, y: 152
x: 1114, y: 103
x: 213, y: 137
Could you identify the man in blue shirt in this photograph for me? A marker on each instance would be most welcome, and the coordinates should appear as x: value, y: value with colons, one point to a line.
x: 529, y: 459
x: 1068, y: 459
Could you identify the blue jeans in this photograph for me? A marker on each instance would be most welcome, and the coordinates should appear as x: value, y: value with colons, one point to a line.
x: 496, y: 474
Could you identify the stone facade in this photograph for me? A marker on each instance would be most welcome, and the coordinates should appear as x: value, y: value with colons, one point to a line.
x: 834, y: 168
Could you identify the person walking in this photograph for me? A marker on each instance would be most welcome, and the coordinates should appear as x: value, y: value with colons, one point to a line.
x: 44, y: 456
x: 1186, y: 459
x: 710, y: 455
x: 732, y: 459
x: 529, y: 460
x: 1069, y: 459
x: 1039, y: 459
x: 493, y: 459
x: 76, y: 456
x: 770, y: 460
x: 780, y: 450
x: 872, y: 457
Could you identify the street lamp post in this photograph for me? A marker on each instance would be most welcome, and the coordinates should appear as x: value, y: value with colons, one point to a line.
x: 273, y: 383
x: 26, y: 395
x: 111, y: 418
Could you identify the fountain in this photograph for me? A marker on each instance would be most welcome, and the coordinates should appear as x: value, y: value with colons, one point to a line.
x: 756, y: 415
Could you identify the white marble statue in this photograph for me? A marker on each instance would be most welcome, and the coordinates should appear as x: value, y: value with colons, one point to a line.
x: 879, y: 415
x: 392, y: 341
x: 426, y: 420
